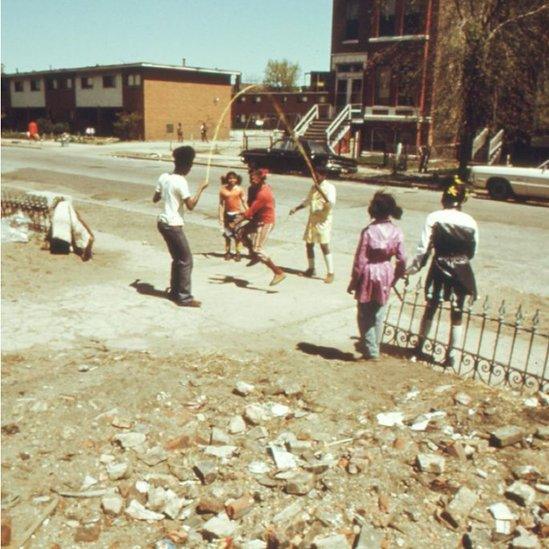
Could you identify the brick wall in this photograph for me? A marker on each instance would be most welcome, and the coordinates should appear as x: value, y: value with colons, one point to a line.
x: 186, y: 102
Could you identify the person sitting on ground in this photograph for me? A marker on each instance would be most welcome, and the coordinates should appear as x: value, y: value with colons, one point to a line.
x: 231, y: 204
x: 173, y: 189
x: 373, y: 274
x: 321, y: 201
x: 452, y: 236
x: 261, y: 218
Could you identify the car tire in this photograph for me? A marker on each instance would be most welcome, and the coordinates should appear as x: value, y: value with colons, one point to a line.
x: 499, y: 189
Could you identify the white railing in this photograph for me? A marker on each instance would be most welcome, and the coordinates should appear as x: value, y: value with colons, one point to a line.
x: 495, y: 146
x: 479, y: 142
x: 306, y: 121
x: 341, y: 124
x: 390, y: 113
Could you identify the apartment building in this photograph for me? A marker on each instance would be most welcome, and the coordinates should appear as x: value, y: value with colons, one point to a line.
x: 382, y: 56
x: 162, y: 95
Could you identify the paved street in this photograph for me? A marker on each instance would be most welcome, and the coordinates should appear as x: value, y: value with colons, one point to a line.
x: 114, y: 195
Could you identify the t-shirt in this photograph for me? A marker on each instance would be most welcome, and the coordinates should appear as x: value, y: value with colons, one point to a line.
x: 232, y: 198
x: 174, y: 190
x: 320, y: 211
x: 262, y: 209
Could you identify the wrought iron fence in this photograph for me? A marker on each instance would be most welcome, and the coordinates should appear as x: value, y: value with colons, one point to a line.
x: 499, y: 347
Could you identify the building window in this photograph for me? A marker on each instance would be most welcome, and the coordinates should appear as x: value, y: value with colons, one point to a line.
x: 35, y: 85
x: 18, y: 86
x: 86, y: 83
x: 351, y: 20
x: 257, y: 99
x: 387, y: 18
x: 322, y: 99
x: 242, y: 99
x: 414, y: 17
x: 383, y: 86
x: 52, y: 84
x: 303, y: 99
x: 108, y: 81
x: 349, y: 67
x: 65, y: 83
x: 284, y: 99
x: 134, y: 80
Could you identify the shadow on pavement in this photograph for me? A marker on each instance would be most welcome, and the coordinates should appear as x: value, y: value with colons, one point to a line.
x: 329, y: 353
x: 145, y: 288
x: 239, y: 282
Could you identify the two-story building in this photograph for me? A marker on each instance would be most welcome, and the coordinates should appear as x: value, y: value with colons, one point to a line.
x: 162, y: 95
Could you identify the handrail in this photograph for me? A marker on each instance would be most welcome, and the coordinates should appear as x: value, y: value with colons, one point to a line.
x: 306, y: 121
x: 340, y: 123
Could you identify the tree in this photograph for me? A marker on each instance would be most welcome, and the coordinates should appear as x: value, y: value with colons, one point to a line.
x: 281, y: 75
x: 127, y: 125
x: 491, y: 59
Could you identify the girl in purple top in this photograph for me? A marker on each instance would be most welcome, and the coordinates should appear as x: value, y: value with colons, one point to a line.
x: 373, y: 273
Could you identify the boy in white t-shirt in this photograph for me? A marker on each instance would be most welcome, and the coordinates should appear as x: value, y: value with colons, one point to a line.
x: 173, y: 190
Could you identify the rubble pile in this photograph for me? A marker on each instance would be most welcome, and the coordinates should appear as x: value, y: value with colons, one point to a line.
x: 226, y: 454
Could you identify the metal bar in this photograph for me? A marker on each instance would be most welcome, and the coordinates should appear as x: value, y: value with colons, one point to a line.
x: 465, y: 333
x: 496, y: 341
x: 535, y: 321
x: 481, y: 335
x: 414, y: 307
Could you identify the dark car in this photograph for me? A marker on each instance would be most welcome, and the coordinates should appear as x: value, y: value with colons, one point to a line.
x: 284, y: 156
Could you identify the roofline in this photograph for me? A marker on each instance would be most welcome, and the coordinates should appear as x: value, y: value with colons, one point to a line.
x: 123, y: 66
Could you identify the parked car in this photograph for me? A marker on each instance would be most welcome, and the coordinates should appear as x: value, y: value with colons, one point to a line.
x: 284, y: 156
x: 504, y: 182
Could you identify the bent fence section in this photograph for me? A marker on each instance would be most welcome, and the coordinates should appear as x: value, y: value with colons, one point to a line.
x: 499, y: 347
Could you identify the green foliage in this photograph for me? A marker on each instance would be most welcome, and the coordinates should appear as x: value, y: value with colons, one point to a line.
x: 45, y: 125
x: 59, y: 128
x: 281, y: 75
x: 128, y: 125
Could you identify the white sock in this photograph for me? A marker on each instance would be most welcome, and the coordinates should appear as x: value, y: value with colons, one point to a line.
x: 329, y: 263
x: 311, y: 261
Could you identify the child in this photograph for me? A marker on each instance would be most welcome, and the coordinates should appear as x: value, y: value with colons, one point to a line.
x: 173, y: 190
x: 231, y: 203
x: 452, y: 237
x: 373, y: 273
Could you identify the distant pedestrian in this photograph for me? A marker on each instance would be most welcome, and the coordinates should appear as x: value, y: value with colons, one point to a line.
x: 261, y: 218
x: 452, y: 236
x: 204, y: 132
x: 179, y: 133
x: 231, y: 204
x: 173, y: 190
x: 32, y: 131
x: 320, y: 201
x: 373, y: 274
x: 424, y: 155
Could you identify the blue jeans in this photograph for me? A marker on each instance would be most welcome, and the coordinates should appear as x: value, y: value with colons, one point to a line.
x: 182, y: 261
x: 370, y: 318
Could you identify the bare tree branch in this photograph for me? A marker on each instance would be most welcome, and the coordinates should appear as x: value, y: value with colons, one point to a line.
x: 520, y: 17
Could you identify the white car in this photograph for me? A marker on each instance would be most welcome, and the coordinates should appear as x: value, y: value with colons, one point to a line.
x: 503, y: 182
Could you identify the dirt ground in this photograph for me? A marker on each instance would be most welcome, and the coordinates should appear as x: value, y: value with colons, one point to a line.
x: 93, y: 354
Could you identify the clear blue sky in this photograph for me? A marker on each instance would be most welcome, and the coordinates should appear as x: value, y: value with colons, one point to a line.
x: 228, y: 34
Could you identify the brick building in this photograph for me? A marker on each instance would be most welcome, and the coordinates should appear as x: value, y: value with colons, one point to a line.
x: 162, y: 95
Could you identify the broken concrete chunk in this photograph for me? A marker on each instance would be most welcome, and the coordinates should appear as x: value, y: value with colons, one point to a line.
x: 460, y: 507
x: 209, y: 506
x: 369, y: 538
x: 524, y: 540
x: 243, y: 389
x: 219, y: 526
x: 255, y: 414
x: 300, y: 484
x: 237, y: 425
x: 139, y: 512
x: 283, y: 459
x: 505, y: 436
x: 522, y: 493
x: 543, y: 432
x: 279, y: 410
x: 112, y: 504
x: 335, y: 541
x: 153, y: 456
x: 390, y: 419
x: 117, y: 471
x: 254, y: 544
x: 219, y: 437
x: 526, y: 472
x: 258, y: 467
x: 430, y: 463
x: 130, y: 440
x: 463, y: 398
x: 223, y: 452
x: 239, y: 507
x: 206, y: 471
